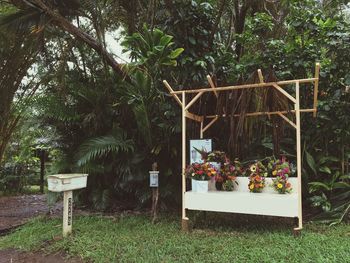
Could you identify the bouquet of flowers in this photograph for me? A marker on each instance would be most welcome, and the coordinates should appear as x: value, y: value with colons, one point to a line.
x: 282, y: 186
x: 216, y: 156
x: 257, y: 174
x: 200, y: 171
x: 280, y: 168
x: 225, y: 180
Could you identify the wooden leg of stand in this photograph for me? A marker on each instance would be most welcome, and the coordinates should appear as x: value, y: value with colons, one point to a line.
x: 185, y: 227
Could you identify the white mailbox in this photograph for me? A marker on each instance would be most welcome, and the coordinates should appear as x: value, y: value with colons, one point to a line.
x: 66, y: 183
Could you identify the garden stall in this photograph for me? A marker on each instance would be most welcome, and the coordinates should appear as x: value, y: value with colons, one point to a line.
x: 270, y: 204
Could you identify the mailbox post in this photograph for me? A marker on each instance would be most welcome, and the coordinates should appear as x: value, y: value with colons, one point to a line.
x: 154, y: 184
x: 66, y: 183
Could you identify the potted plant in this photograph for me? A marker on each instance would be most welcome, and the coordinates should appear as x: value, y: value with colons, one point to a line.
x: 200, y: 174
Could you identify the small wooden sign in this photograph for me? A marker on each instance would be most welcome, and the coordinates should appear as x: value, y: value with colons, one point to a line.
x: 153, y: 178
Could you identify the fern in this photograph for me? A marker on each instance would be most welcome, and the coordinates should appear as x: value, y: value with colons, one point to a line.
x: 102, y: 146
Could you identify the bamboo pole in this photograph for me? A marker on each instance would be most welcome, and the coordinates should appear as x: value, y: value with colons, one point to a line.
x: 184, y: 218
x: 261, y: 77
x: 171, y: 91
x: 285, y: 93
x: 247, y: 86
x: 201, y: 130
x: 194, y: 116
x: 287, y: 120
x: 317, y: 76
x: 193, y: 100
x: 210, y: 124
x: 212, y: 85
x: 298, y: 138
x: 258, y: 113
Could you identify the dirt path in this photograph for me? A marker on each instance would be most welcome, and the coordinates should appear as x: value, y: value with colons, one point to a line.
x: 17, y: 210
x: 15, y: 256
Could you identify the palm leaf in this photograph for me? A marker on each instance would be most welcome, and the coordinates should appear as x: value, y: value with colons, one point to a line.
x: 102, y: 146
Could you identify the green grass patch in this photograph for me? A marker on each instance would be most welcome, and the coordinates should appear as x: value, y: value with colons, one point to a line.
x: 133, y: 238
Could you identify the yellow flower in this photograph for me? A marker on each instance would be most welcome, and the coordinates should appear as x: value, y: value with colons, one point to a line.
x: 253, y: 168
x: 279, y: 186
x: 251, y: 187
x: 274, y: 172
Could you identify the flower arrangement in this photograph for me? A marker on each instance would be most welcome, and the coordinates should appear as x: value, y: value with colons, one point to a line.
x: 216, y: 156
x: 200, y: 171
x: 282, y: 186
x: 257, y: 174
x: 225, y: 180
x: 281, y: 168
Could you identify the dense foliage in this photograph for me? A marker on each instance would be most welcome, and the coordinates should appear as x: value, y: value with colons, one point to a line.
x: 114, y: 120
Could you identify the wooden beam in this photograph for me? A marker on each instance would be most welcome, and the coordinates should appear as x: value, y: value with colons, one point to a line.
x: 287, y: 120
x: 171, y: 91
x: 251, y: 114
x: 201, y: 130
x: 193, y: 100
x: 261, y: 77
x: 317, y: 76
x: 210, y: 124
x: 299, y: 164
x: 285, y: 93
x: 194, y: 116
x: 212, y: 85
x: 183, y: 155
x: 247, y: 86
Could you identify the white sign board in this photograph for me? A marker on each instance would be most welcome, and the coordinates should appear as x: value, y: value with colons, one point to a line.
x: 203, y: 145
x: 153, y: 178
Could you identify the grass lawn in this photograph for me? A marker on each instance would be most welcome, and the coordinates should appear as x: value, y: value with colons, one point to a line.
x: 132, y: 238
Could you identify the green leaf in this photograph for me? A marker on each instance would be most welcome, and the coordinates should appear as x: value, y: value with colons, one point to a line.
x: 325, y: 169
x: 192, y: 40
x: 165, y: 40
x: 311, y: 162
x: 175, y: 53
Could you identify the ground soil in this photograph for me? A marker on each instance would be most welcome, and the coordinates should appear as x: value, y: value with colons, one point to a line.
x: 16, y: 211
x: 15, y: 256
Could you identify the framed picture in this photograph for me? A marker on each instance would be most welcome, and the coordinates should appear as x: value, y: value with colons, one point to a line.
x: 203, y: 145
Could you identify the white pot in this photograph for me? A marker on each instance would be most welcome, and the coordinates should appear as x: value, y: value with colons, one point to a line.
x: 200, y: 186
x: 194, y: 185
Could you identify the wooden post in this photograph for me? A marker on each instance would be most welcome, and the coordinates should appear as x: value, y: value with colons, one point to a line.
x: 298, y: 141
x: 201, y: 130
x: 155, y: 197
x: 184, y: 223
x: 317, y: 76
x: 42, y: 169
x: 67, y: 212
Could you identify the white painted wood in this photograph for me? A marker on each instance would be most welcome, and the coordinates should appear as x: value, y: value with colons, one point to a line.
x: 285, y: 205
x: 66, y: 182
x: 67, y: 212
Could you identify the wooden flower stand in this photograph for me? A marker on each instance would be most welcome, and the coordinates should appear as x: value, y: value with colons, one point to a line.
x: 272, y: 204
